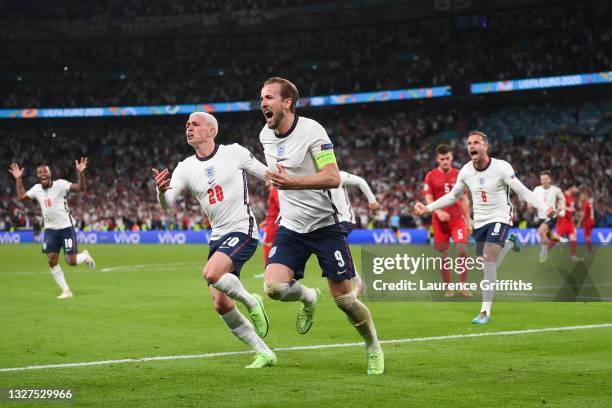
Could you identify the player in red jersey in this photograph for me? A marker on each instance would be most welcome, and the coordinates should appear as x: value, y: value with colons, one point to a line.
x: 453, y: 221
x: 565, y: 224
x: 269, y: 224
x: 587, y: 218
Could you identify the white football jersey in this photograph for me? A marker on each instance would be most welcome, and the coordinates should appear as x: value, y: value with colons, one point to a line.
x: 343, y: 203
x: 301, y: 211
x: 219, y: 184
x: 489, y: 190
x: 53, y: 203
x: 551, y: 197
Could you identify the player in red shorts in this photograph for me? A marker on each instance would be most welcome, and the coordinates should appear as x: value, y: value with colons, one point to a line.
x: 453, y: 221
x: 587, y: 218
x: 565, y: 224
x: 269, y: 224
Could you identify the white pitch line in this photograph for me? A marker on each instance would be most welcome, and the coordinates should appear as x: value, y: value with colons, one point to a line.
x: 313, y: 347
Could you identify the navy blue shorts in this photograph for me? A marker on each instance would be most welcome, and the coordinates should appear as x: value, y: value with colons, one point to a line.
x: 551, y: 222
x: 56, y: 239
x: 348, y: 226
x: 495, y: 233
x: 329, y: 244
x: 239, y: 246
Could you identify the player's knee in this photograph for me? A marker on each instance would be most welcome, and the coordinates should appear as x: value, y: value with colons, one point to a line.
x: 346, y: 302
x: 276, y: 291
x: 210, y: 275
x: 71, y: 260
x: 52, y: 261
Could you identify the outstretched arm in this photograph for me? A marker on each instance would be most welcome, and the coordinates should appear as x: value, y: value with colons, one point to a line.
x: 18, y: 174
x: 442, y: 202
x: 80, y: 165
x: 353, y: 180
x: 561, y: 203
x: 527, y: 195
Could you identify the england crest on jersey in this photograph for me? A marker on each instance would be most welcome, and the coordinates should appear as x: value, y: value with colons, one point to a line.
x: 481, y: 182
x: 210, y: 174
x: 280, y: 151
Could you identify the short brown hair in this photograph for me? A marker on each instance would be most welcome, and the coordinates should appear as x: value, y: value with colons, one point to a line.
x: 443, y: 149
x: 288, y: 90
x: 546, y: 173
x: 479, y: 133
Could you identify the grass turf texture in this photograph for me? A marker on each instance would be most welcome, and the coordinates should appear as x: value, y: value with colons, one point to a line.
x: 146, y: 301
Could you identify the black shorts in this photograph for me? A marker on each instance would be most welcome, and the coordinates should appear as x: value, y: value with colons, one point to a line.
x: 551, y: 222
x: 56, y: 239
x: 348, y: 226
x: 239, y: 246
x: 329, y: 244
x: 495, y: 233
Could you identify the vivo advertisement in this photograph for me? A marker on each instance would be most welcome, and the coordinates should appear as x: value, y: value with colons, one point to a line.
x: 600, y: 236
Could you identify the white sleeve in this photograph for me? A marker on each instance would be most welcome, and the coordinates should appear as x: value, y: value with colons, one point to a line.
x: 32, y: 192
x: 177, y: 185
x: 65, y: 186
x: 562, y: 204
x: 452, y: 196
x: 349, y: 179
x: 249, y: 163
x: 509, y: 178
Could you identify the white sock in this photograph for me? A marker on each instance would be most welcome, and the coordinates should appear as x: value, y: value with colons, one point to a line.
x: 490, y: 275
x: 291, y: 292
x: 544, y: 249
x: 243, y: 329
x: 81, y: 257
x: 232, y: 287
x: 508, y: 245
x: 486, y: 308
x: 58, y: 276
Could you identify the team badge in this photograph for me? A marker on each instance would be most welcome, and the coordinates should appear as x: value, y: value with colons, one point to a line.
x: 280, y: 151
x: 481, y: 181
x: 210, y: 174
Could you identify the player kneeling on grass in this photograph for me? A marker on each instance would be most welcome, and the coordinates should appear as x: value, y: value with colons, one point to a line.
x: 216, y: 176
x: 59, y: 226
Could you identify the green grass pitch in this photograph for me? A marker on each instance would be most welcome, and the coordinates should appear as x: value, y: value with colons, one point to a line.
x: 147, y: 301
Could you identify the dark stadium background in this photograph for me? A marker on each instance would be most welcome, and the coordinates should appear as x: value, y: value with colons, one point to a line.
x: 145, y: 52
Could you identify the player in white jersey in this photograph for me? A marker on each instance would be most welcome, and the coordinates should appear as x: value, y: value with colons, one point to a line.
x: 216, y: 176
x: 347, y: 216
x: 59, y: 226
x: 301, y: 151
x: 551, y: 196
x: 489, y: 181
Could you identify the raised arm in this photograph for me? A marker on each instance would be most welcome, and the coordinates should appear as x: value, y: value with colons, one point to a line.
x: 18, y: 174
x: 169, y: 188
x: 80, y: 165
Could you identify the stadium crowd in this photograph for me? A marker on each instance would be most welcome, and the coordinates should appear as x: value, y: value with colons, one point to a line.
x: 392, y: 149
x: 572, y: 38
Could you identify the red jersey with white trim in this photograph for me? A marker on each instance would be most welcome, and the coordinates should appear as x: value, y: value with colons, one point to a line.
x: 438, y: 183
